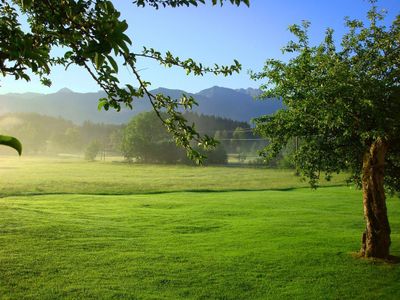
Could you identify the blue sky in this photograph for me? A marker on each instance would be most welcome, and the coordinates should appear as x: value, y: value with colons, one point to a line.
x: 213, y: 35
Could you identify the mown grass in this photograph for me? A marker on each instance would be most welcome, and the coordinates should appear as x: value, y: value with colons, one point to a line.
x: 264, y: 244
x: 32, y: 175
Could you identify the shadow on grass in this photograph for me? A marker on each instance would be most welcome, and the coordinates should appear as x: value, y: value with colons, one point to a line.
x: 391, y: 260
x: 283, y: 189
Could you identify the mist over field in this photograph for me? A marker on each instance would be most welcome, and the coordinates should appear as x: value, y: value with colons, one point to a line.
x: 266, y: 165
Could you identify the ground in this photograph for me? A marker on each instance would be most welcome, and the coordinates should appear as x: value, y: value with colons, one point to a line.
x: 78, y: 230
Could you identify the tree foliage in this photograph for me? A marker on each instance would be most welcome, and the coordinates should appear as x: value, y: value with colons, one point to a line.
x: 338, y: 100
x: 92, y: 150
x: 145, y: 140
x: 42, y: 134
x: 343, y: 104
x: 93, y: 35
x: 176, y: 3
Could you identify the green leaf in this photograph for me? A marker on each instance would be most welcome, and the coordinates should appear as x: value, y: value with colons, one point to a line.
x: 98, y: 60
x: 26, y: 77
x: 11, y: 142
x: 68, y: 54
x: 126, y: 39
x: 123, y: 46
x: 123, y: 26
x: 113, y: 63
x: 131, y: 89
x: 103, y: 102
x: 26, y: 4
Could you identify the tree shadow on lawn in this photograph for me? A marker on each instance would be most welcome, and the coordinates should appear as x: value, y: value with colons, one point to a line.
x: 200, y: 190
x: 391, y: 260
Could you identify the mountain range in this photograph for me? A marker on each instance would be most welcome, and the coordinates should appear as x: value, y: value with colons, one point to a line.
x: 235, y: 104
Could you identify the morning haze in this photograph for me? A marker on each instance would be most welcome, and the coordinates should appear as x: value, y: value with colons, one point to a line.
x: 193, y: 149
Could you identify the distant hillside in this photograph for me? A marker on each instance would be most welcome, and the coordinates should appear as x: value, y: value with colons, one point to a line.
x: 218, y: 101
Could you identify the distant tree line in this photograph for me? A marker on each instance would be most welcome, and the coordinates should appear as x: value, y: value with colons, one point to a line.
x: 144, y: 139
x: 45, y: 135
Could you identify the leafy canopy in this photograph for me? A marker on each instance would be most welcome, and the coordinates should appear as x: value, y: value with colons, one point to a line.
x: 339, y: 100
x: 177, y: 3
x: 93, y: 35
x: 145, y: 140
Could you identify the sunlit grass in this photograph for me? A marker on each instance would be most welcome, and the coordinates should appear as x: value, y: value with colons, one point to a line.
x: 263, y: 244
x: 30, y: 175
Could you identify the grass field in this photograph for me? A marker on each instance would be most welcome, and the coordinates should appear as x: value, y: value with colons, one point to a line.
x: 26, y: 175
x: 77, y: 230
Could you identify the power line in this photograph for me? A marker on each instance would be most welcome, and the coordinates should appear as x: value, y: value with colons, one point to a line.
x: 240, y: 139
x: 223, y: 130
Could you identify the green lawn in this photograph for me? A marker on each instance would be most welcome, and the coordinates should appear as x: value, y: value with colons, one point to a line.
x: 176, y: 232
x: 27, y: 175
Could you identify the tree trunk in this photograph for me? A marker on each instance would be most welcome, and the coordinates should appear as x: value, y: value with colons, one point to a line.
x: 376, y: 237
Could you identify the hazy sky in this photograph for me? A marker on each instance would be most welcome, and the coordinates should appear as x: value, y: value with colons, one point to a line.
x: 213, y: 35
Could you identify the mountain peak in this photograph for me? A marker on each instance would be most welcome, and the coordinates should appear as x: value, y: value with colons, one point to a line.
x: 65, y: 91
x: 78, y: 107
x: 215, y: 91
x: 250, y: 91
x: 174, y: 93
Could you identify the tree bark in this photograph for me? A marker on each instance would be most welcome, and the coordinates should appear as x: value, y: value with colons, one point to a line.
x: 376, y: 237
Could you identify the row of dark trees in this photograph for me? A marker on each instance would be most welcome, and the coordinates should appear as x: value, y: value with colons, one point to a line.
x: 45, y: 135
x: 144, y: 139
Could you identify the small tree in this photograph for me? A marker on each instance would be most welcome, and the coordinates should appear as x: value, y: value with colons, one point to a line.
x: 92, y: 150
x: 344, y: 105
x: 238, y: 137
x: 217, y: 156
x: 146, y: 140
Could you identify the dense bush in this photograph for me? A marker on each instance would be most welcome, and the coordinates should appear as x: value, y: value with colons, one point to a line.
x: 146, y: 140
x: 92, y: 150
